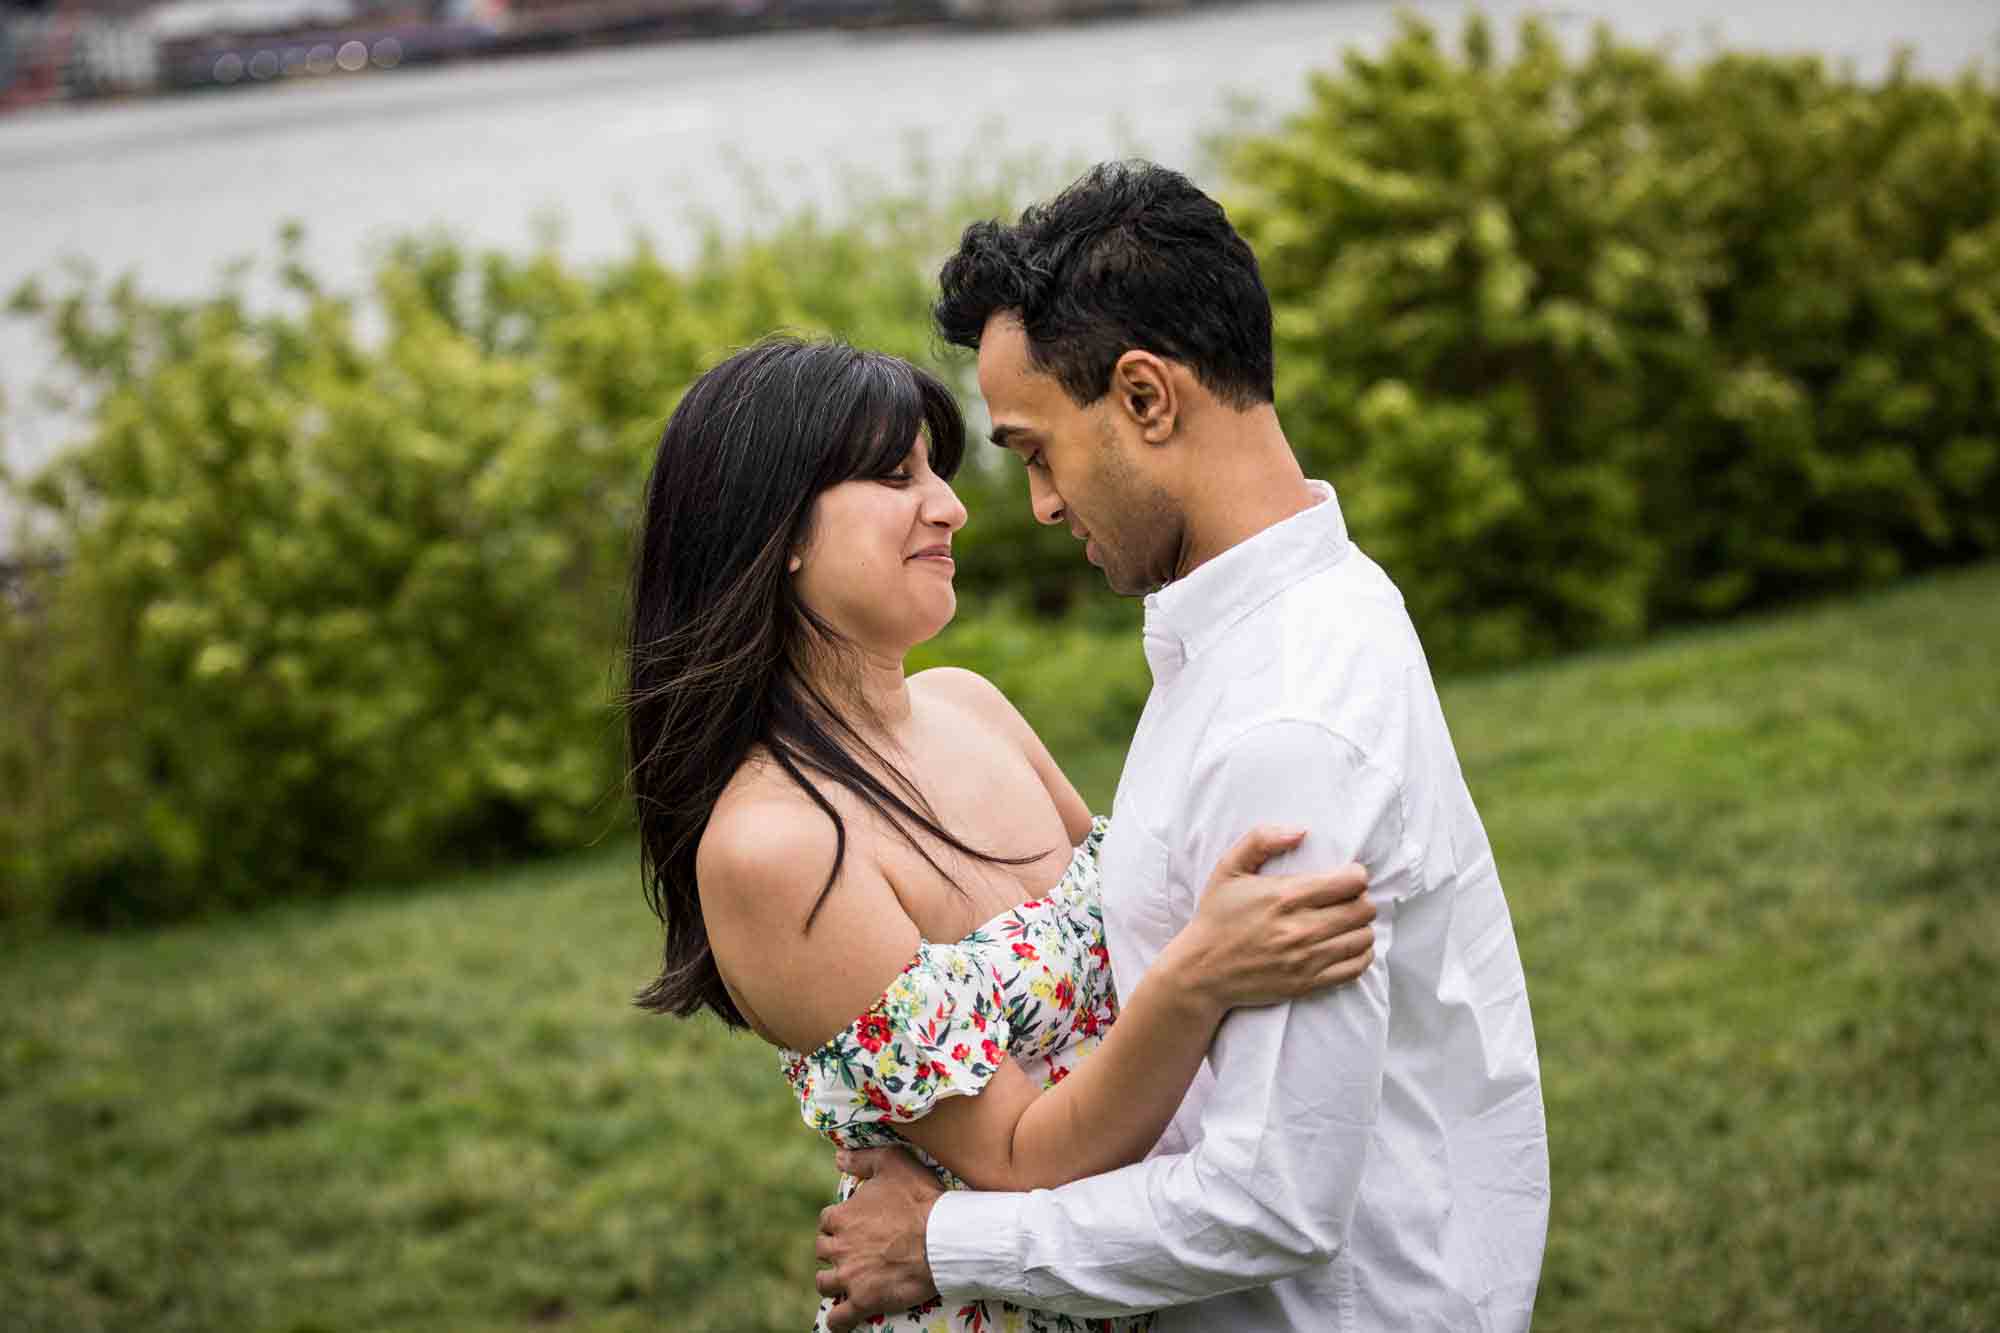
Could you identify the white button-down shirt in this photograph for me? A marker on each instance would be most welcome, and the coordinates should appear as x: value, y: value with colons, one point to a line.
x: 1371, y: 1157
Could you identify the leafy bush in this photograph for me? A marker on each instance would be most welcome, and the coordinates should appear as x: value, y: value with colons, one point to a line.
x: 1588, y: 343
x: 1841, y: 423
x: 333, y: 607
x: 323, y: 606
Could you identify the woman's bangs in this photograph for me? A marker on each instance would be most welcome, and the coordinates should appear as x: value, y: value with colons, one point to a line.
x: 895, y: 402
x: 944, y: 425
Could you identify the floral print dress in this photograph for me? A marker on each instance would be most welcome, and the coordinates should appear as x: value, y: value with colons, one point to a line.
x: 1032, y: 985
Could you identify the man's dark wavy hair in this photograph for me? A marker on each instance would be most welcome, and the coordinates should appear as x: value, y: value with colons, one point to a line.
x: 1130, y: 255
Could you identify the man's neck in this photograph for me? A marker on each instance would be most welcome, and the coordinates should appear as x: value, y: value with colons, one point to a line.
x: 1243, y: 479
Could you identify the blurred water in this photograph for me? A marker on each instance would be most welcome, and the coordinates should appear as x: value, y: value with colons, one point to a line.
x: 625, y: 137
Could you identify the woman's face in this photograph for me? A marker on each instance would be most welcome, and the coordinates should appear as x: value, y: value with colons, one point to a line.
x: 878, y: 564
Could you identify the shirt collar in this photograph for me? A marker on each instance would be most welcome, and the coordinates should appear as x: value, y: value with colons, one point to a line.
x: 1190, y: 614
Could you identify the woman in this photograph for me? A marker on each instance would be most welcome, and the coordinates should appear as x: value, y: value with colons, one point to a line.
x: 856, y: 863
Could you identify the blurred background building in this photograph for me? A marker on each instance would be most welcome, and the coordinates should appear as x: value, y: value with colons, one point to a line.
x: 53, y: 49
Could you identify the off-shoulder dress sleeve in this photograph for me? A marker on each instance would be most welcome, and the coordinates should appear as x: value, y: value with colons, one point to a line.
x: 939, y: 1030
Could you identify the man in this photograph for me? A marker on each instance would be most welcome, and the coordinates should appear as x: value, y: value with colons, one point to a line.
x: 1373, y: 1157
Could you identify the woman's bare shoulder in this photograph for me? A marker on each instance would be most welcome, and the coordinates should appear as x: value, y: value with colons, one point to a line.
x: 964, y: 687
x: 988, y: 706
x: 766, y: 842
x: 805, y: 957
x: 975, y: 698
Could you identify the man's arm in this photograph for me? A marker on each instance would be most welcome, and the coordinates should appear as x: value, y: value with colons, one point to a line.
x: 1270, y: 1189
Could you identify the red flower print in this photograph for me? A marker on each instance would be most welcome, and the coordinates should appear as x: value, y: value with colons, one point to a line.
x: 1022, y: 949
x: 1065, y: 994
x: 1086, y: 1022
x: 991, y: 1050
x: 872, y: 1031
x: 1057, y: 1074
x: 979, y: 1020
x: 960, y: 1051
x: 876, y: 1097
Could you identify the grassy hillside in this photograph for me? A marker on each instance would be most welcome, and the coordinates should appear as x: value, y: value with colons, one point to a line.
x: 1752, y: 873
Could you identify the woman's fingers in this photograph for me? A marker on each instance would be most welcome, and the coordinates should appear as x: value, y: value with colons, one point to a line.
x: 1327, y: 946
x: 1327, y: 887
x: 1341, y: 972
x: 1256, y: 847
x: 1343, y: 934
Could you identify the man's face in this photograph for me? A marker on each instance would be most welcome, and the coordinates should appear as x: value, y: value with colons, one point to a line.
x: 1088, y: 467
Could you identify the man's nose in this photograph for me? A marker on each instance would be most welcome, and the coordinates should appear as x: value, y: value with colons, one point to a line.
x: 1042, y: 498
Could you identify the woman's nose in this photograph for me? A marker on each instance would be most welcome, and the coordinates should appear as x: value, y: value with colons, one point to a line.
x: 943, y: 507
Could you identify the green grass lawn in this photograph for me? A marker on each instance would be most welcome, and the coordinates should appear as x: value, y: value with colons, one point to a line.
x: 1753, y: 876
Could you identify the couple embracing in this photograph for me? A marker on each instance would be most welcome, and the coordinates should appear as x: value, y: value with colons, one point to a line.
x: 1319, y: 1105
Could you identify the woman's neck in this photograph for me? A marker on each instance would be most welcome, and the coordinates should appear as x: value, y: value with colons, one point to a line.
x: 869, y: 688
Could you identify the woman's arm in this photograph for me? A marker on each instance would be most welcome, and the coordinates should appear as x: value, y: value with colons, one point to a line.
x: 1254, y: 940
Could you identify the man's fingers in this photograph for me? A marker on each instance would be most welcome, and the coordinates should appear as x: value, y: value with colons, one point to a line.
x: 824, y: 1246
x: 829, y: 1282
x: 842, y: 1317
x: 829, y: 1219
x: 863, y: 1163
x: 1257, y: 846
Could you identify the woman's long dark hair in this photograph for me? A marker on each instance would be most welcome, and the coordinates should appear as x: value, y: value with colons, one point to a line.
x: 721, y: 646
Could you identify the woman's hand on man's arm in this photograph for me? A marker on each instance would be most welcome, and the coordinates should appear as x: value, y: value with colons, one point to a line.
x: 1255, y: 940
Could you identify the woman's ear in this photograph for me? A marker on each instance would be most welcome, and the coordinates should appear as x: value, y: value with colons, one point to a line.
x: 1143, y: 385
x: 794, y: 565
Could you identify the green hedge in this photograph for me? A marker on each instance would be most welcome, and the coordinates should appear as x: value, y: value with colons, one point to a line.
x: 1588, y: 343
x: 333, y: 607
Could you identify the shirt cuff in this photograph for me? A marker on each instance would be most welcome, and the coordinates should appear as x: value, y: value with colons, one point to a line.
x: 973, y: 1242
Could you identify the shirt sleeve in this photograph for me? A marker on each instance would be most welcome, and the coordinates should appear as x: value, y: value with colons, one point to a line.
x: 1269, y: 1189
x: 939, y: 1030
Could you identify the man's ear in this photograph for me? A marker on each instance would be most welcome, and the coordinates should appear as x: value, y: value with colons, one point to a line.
x: 1144, y: 388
